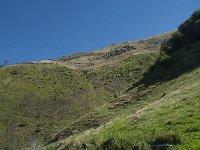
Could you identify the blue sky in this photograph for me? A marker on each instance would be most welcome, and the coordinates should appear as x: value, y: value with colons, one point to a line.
x: 41, y: 29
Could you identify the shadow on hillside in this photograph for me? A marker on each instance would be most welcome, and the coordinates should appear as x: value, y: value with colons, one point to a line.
x: 171, y: 67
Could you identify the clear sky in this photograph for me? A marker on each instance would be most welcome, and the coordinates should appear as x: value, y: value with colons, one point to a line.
x: 41, y: 29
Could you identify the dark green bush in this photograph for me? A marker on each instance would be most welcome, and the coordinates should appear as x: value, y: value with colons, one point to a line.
x: 187, y: 32
x: 196, y: 14
x: 167, y: 63
x: 197, y: 29
x: 191, y: 27
x: 177, y: 40
x: 166, y: 45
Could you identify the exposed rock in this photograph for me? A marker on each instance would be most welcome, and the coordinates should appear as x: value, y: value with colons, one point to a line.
x: 118, y: 51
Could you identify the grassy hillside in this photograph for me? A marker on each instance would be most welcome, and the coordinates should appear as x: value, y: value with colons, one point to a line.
x: 160, y: 110
x: 128, y: 96
x: 166, y: 112
x: 39, y: 99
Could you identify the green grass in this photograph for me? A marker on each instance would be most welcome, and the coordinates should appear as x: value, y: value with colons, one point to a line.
x: 146, y: 99
x: 44, y: 99
x: 164, y: 109
x: 177, y: 115
x: 37, y: 101
x: 120, y: 77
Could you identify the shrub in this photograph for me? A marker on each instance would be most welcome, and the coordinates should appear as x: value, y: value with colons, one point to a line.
x: 177, y: 40
x: 191, y: 27
x: 196, y: 14
x: 188, y: 32
x: 197, y: 29
x: 166, y: 46
x: 167, y: 62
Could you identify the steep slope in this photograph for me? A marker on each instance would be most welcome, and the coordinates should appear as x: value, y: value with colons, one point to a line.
x: 127, y: 96
x: 159, y: 111
x: 40, y: 98
x: 162, y: 110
